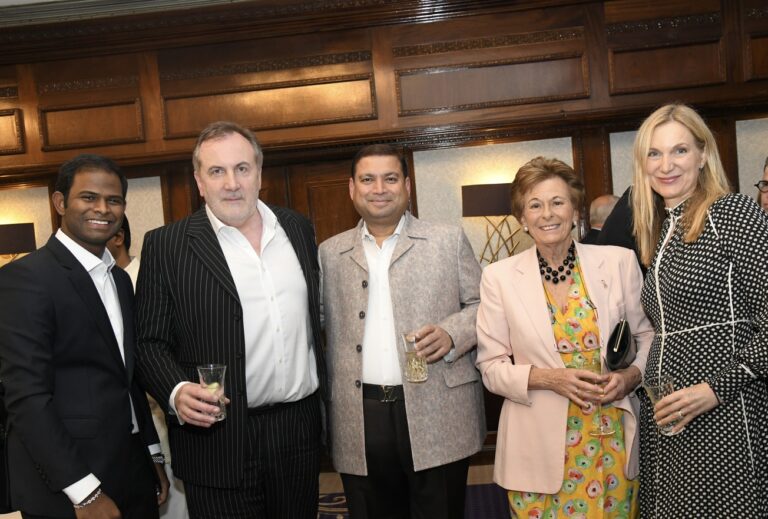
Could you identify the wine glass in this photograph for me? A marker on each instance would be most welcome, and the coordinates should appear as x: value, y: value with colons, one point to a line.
x: 594, y: 365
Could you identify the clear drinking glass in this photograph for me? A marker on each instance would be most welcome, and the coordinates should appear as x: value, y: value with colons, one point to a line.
x: 415, y: 369
x: 212, y: 379
x: 594, y: 365
x: 658, y: 387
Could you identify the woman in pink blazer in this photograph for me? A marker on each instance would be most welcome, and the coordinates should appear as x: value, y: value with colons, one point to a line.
x: 544, y: 318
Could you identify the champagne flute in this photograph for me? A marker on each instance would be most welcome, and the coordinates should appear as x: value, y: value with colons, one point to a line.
x: 595, y: 366
x: 657, y: 388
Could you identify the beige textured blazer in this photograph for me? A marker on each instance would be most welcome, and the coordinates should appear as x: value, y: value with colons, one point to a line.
x: 434, y: 278
x: 513, y: 321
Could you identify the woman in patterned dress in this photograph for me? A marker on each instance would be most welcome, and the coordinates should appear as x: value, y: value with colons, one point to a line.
x: 706, y: 293
x: 540, y: 327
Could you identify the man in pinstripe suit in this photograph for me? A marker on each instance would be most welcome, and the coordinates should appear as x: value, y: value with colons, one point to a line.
x: 236, y: 283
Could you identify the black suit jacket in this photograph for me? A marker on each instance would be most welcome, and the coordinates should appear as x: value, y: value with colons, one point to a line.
x: 591, y: 236
x: 189, y: 313
x: 66, y: 386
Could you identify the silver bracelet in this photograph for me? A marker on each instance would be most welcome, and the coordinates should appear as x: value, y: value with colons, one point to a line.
x: 90, y: 500
x: 158, y: 458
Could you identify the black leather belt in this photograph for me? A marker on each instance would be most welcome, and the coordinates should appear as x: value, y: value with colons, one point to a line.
x: 383, y: 393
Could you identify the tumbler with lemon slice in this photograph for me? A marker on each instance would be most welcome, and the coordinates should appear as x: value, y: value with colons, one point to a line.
x: 212, y: 380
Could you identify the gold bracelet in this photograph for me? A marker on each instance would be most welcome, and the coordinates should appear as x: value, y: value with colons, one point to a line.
x: 90, y: 500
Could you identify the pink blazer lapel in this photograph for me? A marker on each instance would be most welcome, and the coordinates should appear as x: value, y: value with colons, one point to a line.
x: 533, y: 301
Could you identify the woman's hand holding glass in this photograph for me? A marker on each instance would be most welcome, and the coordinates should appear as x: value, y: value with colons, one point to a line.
x: 578, y: 385
x: 684, y: 405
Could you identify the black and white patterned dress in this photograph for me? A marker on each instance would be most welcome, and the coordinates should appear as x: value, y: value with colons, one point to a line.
x: 718, y: 466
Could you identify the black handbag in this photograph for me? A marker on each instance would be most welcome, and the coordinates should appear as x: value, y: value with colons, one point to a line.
x: 621, y: 350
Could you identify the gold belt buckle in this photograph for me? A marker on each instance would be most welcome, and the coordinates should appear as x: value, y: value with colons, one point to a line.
x: 389, y: 393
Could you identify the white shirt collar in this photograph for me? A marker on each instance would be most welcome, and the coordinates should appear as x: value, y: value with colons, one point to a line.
x: 268, y: 218
x: 88, y: 260
x: 399, y: 229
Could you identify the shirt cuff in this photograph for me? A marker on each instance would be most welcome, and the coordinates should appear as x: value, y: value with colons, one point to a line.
x: 450, y: 356
x: 78, y: 491
x: 155, y: 449
x: 172, y: 399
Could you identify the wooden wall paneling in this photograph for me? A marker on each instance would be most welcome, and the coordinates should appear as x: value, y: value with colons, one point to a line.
x: 274, y: 186
x: 179, y: 191
x: 82, y: 126
x: 592, y: 161
x: 667, y: 68
x: 753, y: 15
x: 470, y: 86
x: 320, y: 191
x: 9, y: 84
x: 488, y: 63
x: 89, y: 102
x: 11, y: 132
x: 621, y: 11
x: 596, y: 53
x: 298, y: 81
x: 656, y: 47
x: 304, y: 103
x: 724, y: 129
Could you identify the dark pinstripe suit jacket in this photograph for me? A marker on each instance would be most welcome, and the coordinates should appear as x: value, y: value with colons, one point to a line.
x: 189, y: 313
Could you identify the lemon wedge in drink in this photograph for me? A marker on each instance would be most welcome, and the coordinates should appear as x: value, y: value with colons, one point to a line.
x: 213, y: 387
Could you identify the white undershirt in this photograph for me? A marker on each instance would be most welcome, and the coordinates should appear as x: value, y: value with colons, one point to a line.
x: 381, y: 365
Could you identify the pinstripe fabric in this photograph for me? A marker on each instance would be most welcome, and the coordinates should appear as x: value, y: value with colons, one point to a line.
x: 188, y: 313
x: 279, y: 446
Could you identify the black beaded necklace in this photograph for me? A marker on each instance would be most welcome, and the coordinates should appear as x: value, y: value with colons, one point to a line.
x: 561, y: 273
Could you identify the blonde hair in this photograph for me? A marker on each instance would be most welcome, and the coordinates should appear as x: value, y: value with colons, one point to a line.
x: 648, y: 206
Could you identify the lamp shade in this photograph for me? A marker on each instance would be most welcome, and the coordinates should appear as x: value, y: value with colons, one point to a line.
x: 17, y: 238
x: 486, y: 200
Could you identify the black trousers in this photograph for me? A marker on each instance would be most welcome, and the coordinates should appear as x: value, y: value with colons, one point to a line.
x: 281, y: 470
x: 139, y: 498
x: 392, y: 489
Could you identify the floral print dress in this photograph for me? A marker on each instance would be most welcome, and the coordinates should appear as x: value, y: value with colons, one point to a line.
x: 594, y: 485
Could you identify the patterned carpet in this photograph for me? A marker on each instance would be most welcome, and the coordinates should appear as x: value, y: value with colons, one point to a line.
x: 483, y: 502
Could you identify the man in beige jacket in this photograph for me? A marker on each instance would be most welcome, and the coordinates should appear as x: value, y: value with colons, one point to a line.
x: 402, y: 448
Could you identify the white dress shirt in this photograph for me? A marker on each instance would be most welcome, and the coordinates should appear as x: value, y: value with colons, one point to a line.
x: 100, y: 270
x: 380, y: 340
x: 279, y: 357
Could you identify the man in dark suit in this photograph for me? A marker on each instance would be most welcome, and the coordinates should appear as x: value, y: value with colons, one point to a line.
x: 236, y: 283
x: 80, y: 433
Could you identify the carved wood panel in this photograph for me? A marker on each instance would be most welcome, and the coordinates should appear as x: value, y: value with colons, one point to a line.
x: 469, y: 86
x: 666, y: 68
x: 305, y: 103
x: 11, y: 132
x: 320, y: 190
x: 82, y: 126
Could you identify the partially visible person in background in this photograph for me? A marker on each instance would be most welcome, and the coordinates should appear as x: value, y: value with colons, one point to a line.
x: 120, y: 248
x: 706, y: 294
x: 175, y: 506
x: 599, y: 210
x: 762, y: 188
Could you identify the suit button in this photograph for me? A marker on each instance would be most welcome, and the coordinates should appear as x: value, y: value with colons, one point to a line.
x: 359, y: 348
x: 357, y: 384
x: 362, y: 314
x: 365, y: 284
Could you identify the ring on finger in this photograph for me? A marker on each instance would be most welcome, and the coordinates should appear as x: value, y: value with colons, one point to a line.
x: 681, y: 414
